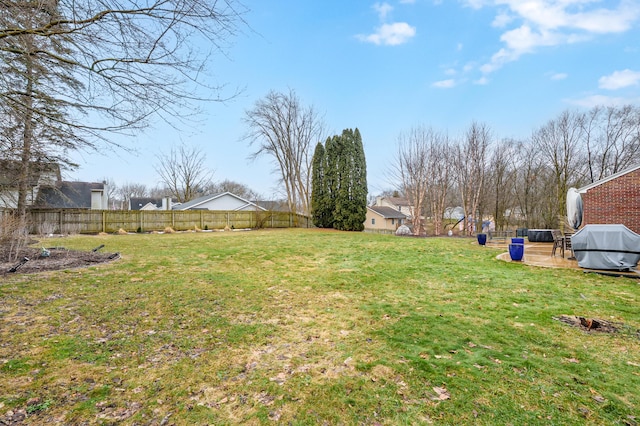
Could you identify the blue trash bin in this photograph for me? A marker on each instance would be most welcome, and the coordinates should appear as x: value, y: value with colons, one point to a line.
x: 482, y: 239
x: 517, y: 241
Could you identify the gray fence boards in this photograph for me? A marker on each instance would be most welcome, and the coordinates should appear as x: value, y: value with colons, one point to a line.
x: 67, y: 221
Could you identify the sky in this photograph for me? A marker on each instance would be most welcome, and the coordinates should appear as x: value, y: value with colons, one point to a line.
x: 385, y: 67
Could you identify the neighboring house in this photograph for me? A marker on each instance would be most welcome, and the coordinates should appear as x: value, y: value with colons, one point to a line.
x: 42, y: 174
x: 383, y: 218
x: 225, y: 202
x: 149, y: 203
x: 613, y: 200
x: 73, y: 195
x: 400, y: 204
x: 454, y: 213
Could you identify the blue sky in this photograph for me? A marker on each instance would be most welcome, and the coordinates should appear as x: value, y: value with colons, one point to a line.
x: 385, y: 67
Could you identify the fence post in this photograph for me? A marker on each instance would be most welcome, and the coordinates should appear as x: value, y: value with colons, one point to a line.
x: 104, y: 221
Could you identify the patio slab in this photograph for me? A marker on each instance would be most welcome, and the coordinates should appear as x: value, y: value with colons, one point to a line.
x: 539, y: 254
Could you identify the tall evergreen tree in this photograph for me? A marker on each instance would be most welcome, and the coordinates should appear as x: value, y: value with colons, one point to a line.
x: 342, y: 196
x: 321, y: 205
x: 339, y: 197
x: 332, y: 177
x: 360, y: 190
x: 351, y: 196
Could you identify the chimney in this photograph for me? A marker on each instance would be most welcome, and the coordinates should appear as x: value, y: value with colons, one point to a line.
x: 166, y: 203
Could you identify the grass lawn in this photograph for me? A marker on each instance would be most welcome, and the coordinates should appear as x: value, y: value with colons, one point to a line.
x: 314, y: 327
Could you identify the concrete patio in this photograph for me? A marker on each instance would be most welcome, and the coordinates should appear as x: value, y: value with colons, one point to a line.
x: 539, y: 254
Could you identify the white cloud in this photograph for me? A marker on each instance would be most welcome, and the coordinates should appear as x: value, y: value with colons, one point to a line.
x: 445, y: 84
x: 474, y: 4
x: 482, y: 81
x: 383, y: 9
x: 390, y: 34
x: 559, y: 76
x: 545, y: 23
x: 502, y: 20
x: 619, y: 80
x: 601, y: 100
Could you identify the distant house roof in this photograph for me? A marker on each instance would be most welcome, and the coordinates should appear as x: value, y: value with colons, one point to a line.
x: 607, y: 179
x: 398, y: 201
x: 137, y: 203
x: 9, y: 170
x: 199, y: 203
x: 388, y: 212
x: 67, y: 195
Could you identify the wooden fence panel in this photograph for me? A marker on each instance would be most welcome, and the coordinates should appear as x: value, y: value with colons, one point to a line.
x: 68, y: 221
x: 151, y: 220
x: 114, y: 220
x: 213, y: 219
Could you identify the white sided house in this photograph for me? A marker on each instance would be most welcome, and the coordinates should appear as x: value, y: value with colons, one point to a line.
x: 225, y: 201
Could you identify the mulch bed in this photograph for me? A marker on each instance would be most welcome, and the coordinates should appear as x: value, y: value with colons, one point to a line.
x: 58, y: 258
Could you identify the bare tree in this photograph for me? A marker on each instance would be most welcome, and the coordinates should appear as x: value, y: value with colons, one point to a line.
x: 237, y: 188
x: 129, y: 190
x: 281, y: 127
x: 72, y: 72
x: 559, y: 144
x: 411, y: 167
x: 439, y: 173
x: 612, y: 139
x: 184, y: 172
x: 470, y: 168
x: 501, y: 183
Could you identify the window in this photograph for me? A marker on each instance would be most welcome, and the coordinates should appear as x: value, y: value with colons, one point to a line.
x: 373, y: 220
x: 393, y: 221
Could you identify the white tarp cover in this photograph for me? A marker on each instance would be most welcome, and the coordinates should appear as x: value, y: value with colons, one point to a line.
x: 574, y: 208
x: 606, y: 247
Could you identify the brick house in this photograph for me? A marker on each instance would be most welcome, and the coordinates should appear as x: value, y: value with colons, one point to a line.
x: 613, y: 200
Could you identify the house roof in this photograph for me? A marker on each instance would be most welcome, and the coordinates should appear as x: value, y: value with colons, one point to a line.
x: 387, y: 212
x: 196, y: 204
x: 9, y: 170
x: 137, y: 203
x: 607, y: 179
x: 67, y: 195
x: 398, y: 201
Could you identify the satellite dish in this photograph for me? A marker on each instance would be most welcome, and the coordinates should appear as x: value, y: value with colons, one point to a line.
x: 574, y: 208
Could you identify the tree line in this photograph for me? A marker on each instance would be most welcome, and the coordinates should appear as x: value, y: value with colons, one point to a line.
x: 74, y: 73
x: 516, y: 182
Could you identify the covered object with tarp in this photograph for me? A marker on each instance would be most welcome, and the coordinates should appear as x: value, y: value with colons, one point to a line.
x: 606, y: 247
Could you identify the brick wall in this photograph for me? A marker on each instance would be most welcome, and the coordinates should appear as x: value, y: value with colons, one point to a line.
x: 615, y: 201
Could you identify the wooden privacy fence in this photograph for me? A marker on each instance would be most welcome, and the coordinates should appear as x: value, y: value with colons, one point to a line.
x: 94, y: 221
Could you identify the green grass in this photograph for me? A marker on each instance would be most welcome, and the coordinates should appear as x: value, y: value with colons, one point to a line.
x: 312, y: 327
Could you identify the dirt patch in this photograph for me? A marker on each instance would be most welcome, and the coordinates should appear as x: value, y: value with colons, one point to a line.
x: 597, y: 325
x: 54, y: 259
